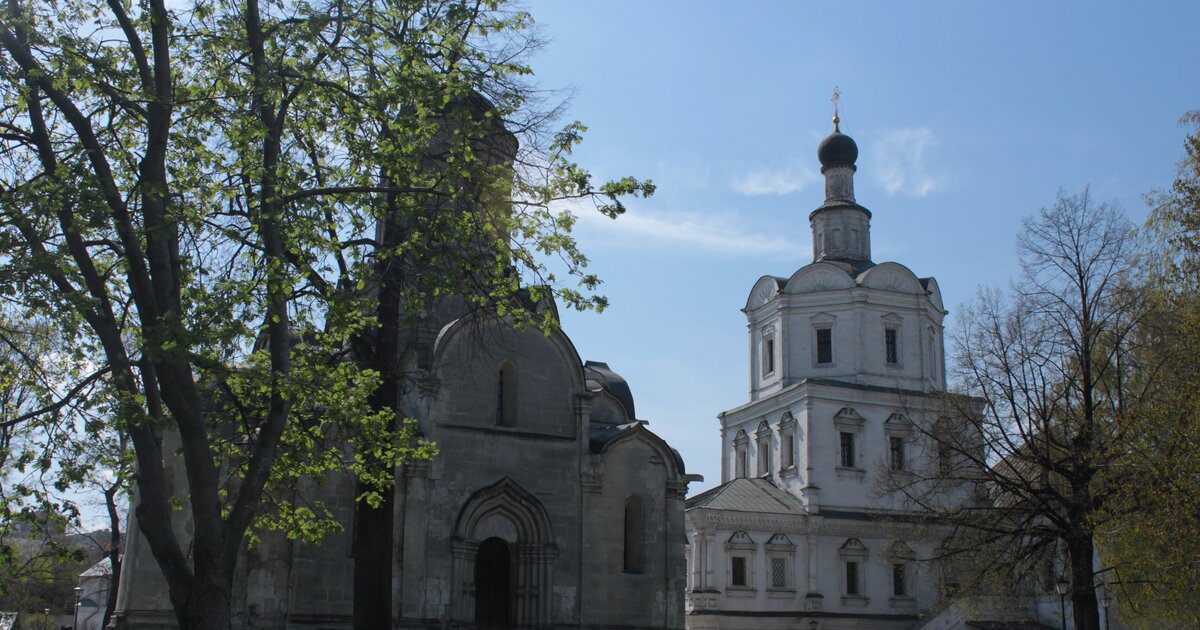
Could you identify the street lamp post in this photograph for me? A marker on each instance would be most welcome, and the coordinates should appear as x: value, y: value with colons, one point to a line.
x: 75, y: 619
x: 1061, y: 587
x: 1106, y: 600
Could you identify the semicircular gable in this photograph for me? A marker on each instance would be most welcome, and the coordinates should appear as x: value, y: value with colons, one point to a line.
x: 890, y: 276
x: 639, y: 433
x: 764, y: 290
x: 465, y: 333
x: 608, y: 410
x: 819, y: 276
x: 935, y: 293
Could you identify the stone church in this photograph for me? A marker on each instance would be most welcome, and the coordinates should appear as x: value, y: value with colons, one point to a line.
x: 549, y: 505
x: 846, y: 357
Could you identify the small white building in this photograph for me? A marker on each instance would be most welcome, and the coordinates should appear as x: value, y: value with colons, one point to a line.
x: 846, y: 358
x: 93, y: 595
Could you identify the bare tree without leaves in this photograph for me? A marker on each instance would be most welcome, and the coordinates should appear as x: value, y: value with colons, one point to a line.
x: 1026, y: 442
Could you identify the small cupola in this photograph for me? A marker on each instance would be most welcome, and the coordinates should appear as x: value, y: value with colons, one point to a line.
x: 841, y: 228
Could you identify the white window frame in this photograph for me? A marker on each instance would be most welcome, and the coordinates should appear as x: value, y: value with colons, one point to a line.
x: 899, y: 427
x: 780, y: 547
x: 847, y: 420
x: 824, y: 321
x: 853, y: 550
x: 768, y: 353
x: 762, y: 450
x: 740, y: 545
x: 900, y: 554
x: 893, y: 322
x: 787, y: 444
x: 741, y: 455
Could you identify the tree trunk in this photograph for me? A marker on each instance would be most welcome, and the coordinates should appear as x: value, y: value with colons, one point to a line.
x: 1083, y: 591
x: 372, y: 563
x: 208, y: 605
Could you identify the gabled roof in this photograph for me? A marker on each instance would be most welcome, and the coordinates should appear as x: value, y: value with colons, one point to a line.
x: 103, y: 568
x: 747, y: 495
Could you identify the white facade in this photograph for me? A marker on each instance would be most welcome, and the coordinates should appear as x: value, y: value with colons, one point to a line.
x: 845, y: 356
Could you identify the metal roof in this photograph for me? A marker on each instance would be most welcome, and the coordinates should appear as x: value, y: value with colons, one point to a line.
x: 747, y: 495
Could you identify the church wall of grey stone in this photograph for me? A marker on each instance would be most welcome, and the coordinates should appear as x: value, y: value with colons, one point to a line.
x: 549, y: 504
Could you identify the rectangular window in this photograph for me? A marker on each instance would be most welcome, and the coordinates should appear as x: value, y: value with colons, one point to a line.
x: 889, y: 340
x: 768, y: 357
x: 779, y: 573
x: 943, y: 458
x: 824, y: 345
x: 899, y: 588
x: 740, y: 469
x: 852, y: 578
x: 896, y: 450
x: 787, y: 454
x: 847, y: 450
x: 764, y: 458
x: 739, y: 571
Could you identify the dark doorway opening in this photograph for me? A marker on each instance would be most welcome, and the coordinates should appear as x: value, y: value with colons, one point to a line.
x: 493, y: 584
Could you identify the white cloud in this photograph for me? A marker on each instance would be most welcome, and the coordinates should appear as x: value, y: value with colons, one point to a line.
x: 777, y: 182
x: 900, y: 162
x: 716, y: 234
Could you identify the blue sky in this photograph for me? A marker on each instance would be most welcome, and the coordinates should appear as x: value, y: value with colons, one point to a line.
x: 968, y: 116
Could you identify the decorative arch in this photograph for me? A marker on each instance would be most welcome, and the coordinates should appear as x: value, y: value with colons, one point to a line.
x: 890, y: 276
x: 764, y: 291
x: 507, y: 512
x: 818, y: 276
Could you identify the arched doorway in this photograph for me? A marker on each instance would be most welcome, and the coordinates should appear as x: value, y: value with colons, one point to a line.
x: 503, y: 559
x: 493, y: 584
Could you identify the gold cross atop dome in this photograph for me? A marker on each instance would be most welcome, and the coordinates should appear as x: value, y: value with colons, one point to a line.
x: 837, y: 94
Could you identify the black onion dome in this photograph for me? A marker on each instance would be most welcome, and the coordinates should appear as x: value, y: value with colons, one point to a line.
x: 837, y: 149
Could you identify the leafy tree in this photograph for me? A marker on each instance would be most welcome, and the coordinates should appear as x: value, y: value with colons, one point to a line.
x: 1023, y: 468
x: 1154, y: 545
x: 243, y: 214
x: 55, y: 449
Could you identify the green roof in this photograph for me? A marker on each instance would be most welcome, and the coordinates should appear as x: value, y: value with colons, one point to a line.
x: 747, y: 495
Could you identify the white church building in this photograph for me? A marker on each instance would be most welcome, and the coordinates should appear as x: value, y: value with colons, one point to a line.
x: 845, y: 355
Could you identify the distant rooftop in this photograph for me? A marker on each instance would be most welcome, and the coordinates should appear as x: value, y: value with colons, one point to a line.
x: 747, y: 495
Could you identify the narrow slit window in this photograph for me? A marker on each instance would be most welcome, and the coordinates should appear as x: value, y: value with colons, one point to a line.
x: 635, y: 536
x: 764, y: 457
x: 899, y: 586
x: 506, y: 395
x: 896, y: 447
x: 787, y: 450
x: 768, y: 357
x: 889, y: 338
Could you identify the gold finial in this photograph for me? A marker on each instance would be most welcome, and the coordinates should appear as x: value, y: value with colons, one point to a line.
x: 837, y: 94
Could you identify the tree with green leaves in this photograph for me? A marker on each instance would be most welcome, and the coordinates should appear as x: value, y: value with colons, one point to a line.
x: 241, y: 213
x: 1154, y: 545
